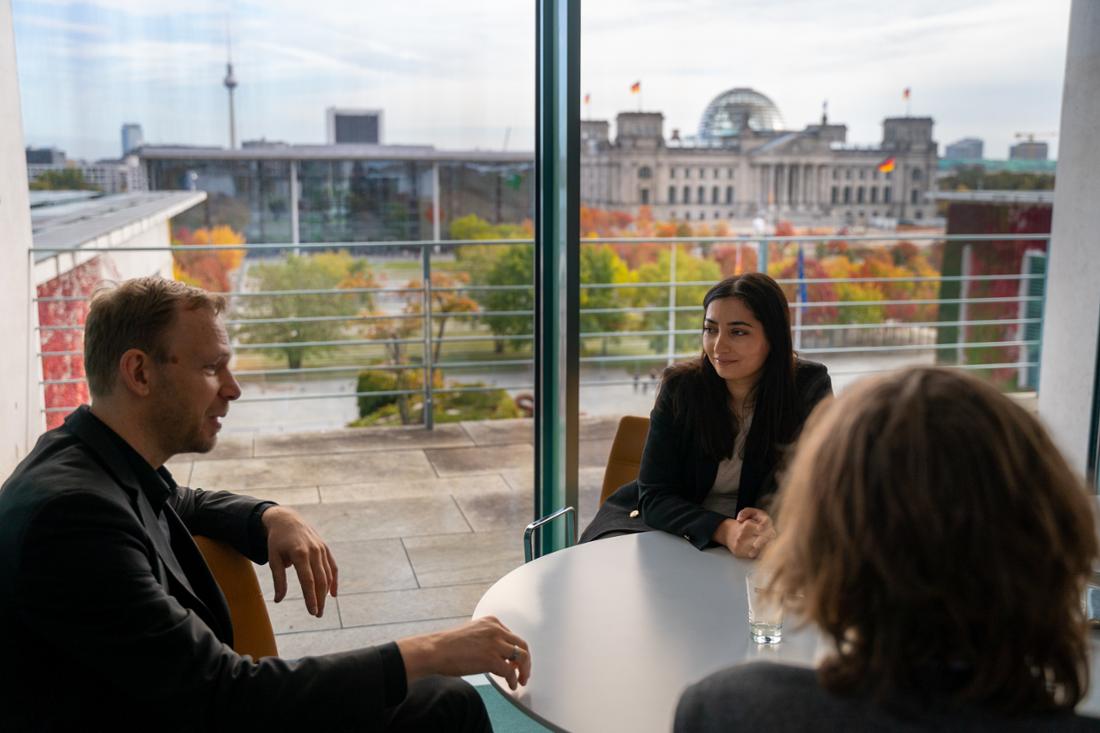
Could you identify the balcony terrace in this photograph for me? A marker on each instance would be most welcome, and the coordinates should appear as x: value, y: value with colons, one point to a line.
x: 421, y: 522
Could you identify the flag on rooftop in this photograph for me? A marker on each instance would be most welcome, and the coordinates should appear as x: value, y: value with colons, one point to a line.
x: 636, y: 87
x: 905, y: 94
x: 887, y: 165
x: 587, y: 98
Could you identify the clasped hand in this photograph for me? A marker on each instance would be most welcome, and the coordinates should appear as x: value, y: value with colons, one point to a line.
x: 747, y: 534
x: 292, y: 542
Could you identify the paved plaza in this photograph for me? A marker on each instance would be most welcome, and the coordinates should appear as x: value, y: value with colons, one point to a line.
x: 421, y: 522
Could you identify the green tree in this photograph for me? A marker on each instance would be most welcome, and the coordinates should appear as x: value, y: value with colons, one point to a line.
x: 976, y: 177
x: 601, y: 265
x: 66, y: 179
x: 514, y: 265
x: 329, y: 271
x: 507, y: 264
x: 689, y: 268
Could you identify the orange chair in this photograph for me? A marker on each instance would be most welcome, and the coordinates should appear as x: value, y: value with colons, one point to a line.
x: 252, y: 632
x: 626, y: 454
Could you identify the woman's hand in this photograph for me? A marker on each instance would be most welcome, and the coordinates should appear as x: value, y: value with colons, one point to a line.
x: 747, y: 534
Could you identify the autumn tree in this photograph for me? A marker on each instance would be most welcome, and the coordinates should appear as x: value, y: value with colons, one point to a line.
x: 292, y: 318
x: 207, y: 269
x: 447, y: 300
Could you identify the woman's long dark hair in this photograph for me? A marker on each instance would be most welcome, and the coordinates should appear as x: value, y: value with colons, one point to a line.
x: 703, y: 399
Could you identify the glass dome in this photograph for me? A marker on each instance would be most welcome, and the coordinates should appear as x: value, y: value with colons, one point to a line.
x: 737, y: 110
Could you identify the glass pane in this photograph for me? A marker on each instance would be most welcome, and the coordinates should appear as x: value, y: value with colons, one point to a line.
x: 334, y: 151
x: 855, y: 129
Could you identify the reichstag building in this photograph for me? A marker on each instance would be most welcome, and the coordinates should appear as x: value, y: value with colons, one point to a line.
x: 744, y: 163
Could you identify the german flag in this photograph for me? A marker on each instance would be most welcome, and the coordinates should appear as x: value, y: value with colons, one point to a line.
x: 887, y: 165
x: 636, y: 87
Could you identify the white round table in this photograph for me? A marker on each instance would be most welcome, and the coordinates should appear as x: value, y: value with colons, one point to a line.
x: 620, y: 627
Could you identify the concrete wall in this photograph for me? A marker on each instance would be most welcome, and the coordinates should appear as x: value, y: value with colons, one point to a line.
x: 20, y: 398
x: 1072, y: 320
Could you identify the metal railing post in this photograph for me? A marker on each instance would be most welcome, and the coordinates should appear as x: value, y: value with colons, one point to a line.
x: 964, y: 309
x: 671, y: 303
x: 426, y: 273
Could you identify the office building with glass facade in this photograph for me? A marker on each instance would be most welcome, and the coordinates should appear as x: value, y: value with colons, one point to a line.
x: 276, y: 193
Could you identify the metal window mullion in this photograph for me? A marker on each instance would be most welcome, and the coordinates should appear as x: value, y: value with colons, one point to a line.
x: 557, y: 246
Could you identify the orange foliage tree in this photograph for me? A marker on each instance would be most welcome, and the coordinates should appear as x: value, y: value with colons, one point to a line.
x: 208, y: 269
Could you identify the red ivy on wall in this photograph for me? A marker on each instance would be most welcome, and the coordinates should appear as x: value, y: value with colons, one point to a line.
x: 62, y: 348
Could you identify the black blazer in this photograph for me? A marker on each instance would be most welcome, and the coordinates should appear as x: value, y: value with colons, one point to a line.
x: 108, y: 626
x: 673, y: 481
x: 784, y: 699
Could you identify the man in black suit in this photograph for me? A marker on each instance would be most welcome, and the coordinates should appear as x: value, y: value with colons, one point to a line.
x: 110, y: 618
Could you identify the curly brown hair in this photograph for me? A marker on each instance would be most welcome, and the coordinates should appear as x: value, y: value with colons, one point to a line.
x: 931, y: 528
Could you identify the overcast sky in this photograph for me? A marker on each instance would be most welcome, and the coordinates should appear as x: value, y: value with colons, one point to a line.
x: 459, y: 73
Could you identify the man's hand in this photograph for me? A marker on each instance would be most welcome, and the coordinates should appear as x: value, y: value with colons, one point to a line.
x: 747, y: 534
x: 291, y: 541
x: 482, y: 645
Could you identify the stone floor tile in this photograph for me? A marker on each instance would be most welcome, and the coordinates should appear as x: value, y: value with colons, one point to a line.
x: 497, y: 510
x: 523, y: 480
x: 497, y: 432
x: 457, y: 485
x: 353, y: 440
x: 421, y: 604
x: 290, y: 615
x: 520, y: 479
x: 589, y: 503
x: 290, y: 496
x: 310, y: 643
x: 483, y: 459
x: 229, y: 446
x: 591, y: 477
x: 370, y: 565
x: 381, y: 518
x: 481, y: 557
x: 593, y: 453
x: 597, y: 427
x: 311, y: 470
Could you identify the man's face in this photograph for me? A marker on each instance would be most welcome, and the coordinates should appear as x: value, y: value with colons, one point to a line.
x: 193, y: 388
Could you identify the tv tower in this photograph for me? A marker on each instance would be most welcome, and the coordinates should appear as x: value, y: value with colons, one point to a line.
x: 230, y: 83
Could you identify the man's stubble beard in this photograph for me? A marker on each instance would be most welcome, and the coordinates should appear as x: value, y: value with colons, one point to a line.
x: 171, y: 425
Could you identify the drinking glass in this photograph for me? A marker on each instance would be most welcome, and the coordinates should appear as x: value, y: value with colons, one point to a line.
x: 765, y: 613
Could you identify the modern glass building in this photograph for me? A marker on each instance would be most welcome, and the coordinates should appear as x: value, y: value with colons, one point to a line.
x: 276, y: 193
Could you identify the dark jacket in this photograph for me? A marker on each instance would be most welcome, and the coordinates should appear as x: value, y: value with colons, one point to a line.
x: 783, y: 699
x: 109, y: 625
x: 673, y: 480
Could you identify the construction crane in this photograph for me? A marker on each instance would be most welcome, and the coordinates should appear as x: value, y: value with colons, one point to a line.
x: 1030, y: 136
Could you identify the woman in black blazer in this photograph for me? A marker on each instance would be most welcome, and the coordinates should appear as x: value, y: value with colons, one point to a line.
x: 720, y: 425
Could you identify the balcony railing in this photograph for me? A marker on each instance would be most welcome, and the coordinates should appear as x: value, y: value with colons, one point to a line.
x: 973, y: 301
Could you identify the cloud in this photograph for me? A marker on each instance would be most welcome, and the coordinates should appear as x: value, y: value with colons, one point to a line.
x: 55, y: 24
x: 465, y: 66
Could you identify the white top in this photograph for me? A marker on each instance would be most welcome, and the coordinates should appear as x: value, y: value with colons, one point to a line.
x: 722, y: 497
x: 618, y: 628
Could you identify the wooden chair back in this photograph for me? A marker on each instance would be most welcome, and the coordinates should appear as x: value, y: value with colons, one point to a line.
x: 626, y: 454
x: 252, y: 632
